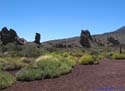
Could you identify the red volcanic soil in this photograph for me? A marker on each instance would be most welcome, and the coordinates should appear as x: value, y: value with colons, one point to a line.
x: 109, y: 75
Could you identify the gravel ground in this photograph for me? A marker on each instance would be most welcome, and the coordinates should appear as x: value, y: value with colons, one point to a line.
x: 109, y: 75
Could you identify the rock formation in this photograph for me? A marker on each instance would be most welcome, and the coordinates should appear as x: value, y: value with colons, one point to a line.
x: 7, y: 36
x: 10, y: 36
x: 84, y: 38
x: 37, y: 38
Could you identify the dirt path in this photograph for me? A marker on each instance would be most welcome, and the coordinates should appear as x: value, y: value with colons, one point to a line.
x: 108, y: 76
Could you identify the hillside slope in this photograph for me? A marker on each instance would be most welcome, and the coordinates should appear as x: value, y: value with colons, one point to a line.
x: 118, y: 34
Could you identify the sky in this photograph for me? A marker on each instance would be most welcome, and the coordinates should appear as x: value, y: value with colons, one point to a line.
x: 57, y: 19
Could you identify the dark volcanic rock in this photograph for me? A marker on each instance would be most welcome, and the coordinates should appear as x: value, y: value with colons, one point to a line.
x: 10, y: 36
x: 7, y: 36
x: 13, y: 35
x: 85, y: 37
x: 37, y: 38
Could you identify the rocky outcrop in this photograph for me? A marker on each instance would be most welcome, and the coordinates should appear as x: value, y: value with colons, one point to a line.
x: 7, y: 36
x: 37, y: 38
x: 10, y: 36
x: 85, y: 37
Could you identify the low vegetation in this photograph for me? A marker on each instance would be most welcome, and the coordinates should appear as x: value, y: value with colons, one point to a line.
x: 14, y: 63
x: 118, y: 55
x: 29, y: 74
x: 86, y: 59
x: 90, y: 59
x: 47, y: 66
x: 50, y: 65
x: 6, y: 80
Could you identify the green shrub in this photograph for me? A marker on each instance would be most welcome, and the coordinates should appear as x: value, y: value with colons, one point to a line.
x: 13, y: 64
x: 6, y: 80
x: 30, y: 50
x: 64, y: 68
x: 54, y: 67
x: 77, y: 54
x: 98, y: 57
x: 107, y: 54
x: 46, y: 58
x: 46, y: 66
x: 1, y: 66
x: 66, y: 54
x: 49, y: 67
x: 2, y: 62
x: 9, y: 63
x: 86, y: 59
x: 29, y: 74
x: 71, y: 61
x: 101, y: 56
x: 118, y: 56
x: 27, y: 60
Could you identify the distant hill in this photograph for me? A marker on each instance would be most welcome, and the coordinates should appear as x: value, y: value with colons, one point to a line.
x: 73, y: 42
x: 118, y: 34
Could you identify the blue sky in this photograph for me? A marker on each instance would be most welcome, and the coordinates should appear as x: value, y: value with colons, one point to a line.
x: 56, y: 19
